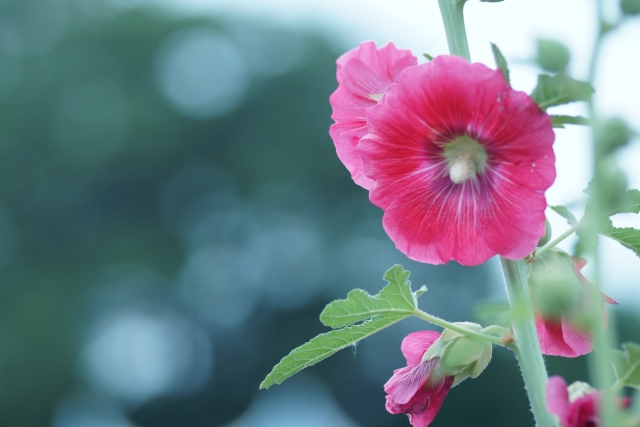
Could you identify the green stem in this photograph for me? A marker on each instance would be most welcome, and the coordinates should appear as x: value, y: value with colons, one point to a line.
x: 526, y: 339
x: 453, y: 18
x: 447, y: 325
x: 558, y: 239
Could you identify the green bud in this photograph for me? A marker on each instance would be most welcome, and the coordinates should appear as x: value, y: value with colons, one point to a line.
x: 630, y: 7
x: 547, y: 234
x: 555, y: 288
x: 462, y: 356
x: 611, y: 184
x: 552, y: 56
x: 613, y: 134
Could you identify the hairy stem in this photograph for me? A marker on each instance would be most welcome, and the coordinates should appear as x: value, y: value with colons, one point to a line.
x: 447, y: 325
x: 558, y: 239
x: 526, y: 339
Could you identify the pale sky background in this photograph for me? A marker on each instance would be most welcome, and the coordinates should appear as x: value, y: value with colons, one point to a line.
x: 514, y: 26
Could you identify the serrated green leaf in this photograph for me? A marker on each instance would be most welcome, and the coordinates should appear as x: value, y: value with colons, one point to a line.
x: 565, y: 213
x: 626, y: 364
x: 559, y: 89
x: 325, y: 345
x: 395, y: 298
x: 627, y: 236
x: 501, y: 63
x: 558, y: 121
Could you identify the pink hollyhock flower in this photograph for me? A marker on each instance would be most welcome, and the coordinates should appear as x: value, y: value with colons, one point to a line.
x: 419, y: 389
x: 364, y: 75
x: 459, y: 163
x: 576, y: 405
x: 560, y: 337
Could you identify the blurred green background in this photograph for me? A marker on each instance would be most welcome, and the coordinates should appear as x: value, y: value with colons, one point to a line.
x: 172, y: 219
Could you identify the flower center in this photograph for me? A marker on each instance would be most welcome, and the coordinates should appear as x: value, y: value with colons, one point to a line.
x: 466, y: 159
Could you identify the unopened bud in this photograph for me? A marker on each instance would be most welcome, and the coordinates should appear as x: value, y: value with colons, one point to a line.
x: 613, y: 134
x: 630, y: 7
x: 555, y: 287
x: 552, y: 56
x: 464, y: 356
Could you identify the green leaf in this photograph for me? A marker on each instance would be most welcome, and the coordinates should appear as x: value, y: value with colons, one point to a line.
x: 501, y: 62
x: 394, y: 299
x: 560, y: 89
x: 565, y: 213
x: 626, y: 364
x: 558, y: 121
x: 628, y: 237
x: 325, y: 345
x: 429, y: 57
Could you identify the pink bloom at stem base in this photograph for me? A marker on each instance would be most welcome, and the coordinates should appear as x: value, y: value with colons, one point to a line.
x: 364, y: 76
x: 459, y: 163
x: 576, y: 405
x: 419, y: 389
x: 560, y: 337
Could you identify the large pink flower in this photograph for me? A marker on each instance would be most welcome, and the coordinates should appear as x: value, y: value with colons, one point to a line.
x: 364, y: 75
x: 560, y: 337
x: 418, y: 389
x: 576, y: 405
x: 459, y: 163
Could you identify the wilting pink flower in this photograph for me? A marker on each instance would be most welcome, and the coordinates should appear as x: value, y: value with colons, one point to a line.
x: 419, y: 389
x: 577, y: 407
x: 559, y: 336
x: 364, y: 75
x: 459, y: 163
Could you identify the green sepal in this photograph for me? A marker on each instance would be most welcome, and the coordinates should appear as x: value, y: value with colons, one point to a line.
x: 462, y: 356
x: 395, y: 298
x: 501, y: 63
x: 558, y: 90
x: 429, y: 57
x: 325, y: 345
x: 626, y: 364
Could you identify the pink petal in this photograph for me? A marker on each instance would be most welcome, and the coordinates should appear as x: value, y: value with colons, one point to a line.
x: 416, y: 344
x: 583, y: 412
x: 557, y: 398
x: 551, y: 338
x: 579, y: 341
x: 423, y: 419
x: 362, y: 72
x: 405, y: 382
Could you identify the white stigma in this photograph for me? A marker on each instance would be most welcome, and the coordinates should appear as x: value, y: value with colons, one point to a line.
x: 376, y: 96
x: 462, y: 168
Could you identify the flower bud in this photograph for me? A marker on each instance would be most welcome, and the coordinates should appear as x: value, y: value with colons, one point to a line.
x: 463, y: 356
x: 630, y: 7
x: 555, y: 287
x: 552, y: 56
x: 612, y: 184
x: 613, y: 134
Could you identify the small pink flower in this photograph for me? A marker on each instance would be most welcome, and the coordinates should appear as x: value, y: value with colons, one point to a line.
x: 576, y: 405
x: 560, y: 337
x: 364, y: 75
x: 419, y: 389
x: 459, y: 163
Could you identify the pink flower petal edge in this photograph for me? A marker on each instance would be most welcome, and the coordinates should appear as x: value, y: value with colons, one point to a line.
x: 364, y: 74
